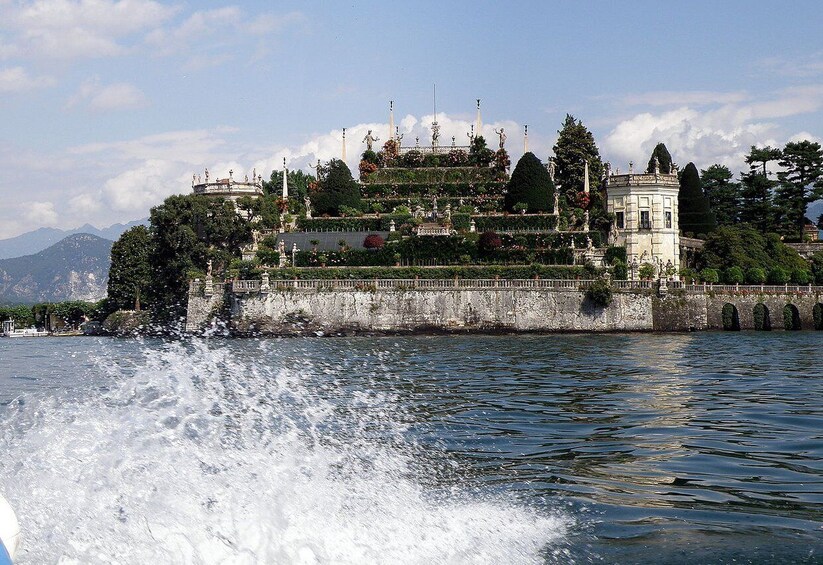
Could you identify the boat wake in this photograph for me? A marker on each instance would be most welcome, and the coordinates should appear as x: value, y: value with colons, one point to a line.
x: 199, y: 455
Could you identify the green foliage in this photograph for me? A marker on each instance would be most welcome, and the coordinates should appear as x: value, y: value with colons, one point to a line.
x: 446, y: 272
x: 615, y: 253
x: 600, y: 292
x: 341, y: 224
x: 664, y: 159
x: 479, y: 154
x: 801, y: 276
x: 530, y: 184
x: 817, y: 267
x: 762, y: 320
x: 745, y: 247
x: 620, y: 270
x: 515, y: 222
x: 723, y: 194
x: 646, y: 271
x: 756, y: 275
x: 734, y: 275
x: 22, y: 315
x: 731, y: 319
x: 791, y: 318
x: 298, y: 184
x: 336, y: 189
x: 370, y: 156
x: 778, y: 275
x: 817, y: 316
x: 130, y: 271
x: 800, y: 182
x: 575, y: 146
x: 461, y: 221
x: 188, y: 231
x: 709, y: 275
x: 694, y: 213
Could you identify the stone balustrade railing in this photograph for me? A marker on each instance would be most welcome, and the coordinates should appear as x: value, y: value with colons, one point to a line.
x: 642, y: 179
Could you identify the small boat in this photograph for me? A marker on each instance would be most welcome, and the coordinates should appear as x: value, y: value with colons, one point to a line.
x: 10, y: 331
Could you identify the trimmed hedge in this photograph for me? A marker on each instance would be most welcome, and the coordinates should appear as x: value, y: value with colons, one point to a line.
x: 458, y: 189
x: 515, y: 222
x: 339, y: 224
x: 430, y: 175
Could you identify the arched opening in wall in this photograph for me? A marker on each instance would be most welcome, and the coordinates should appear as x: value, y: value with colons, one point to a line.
x: 762, y: 320
x: 817, y: 315
x: 791, y: 317
x: 731, y: 320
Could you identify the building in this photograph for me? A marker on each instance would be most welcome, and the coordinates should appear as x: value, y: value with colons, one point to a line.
x: 228, y: 188
x: 646, y: 222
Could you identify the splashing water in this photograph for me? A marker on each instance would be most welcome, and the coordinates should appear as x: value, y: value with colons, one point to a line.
x: 197, y: 455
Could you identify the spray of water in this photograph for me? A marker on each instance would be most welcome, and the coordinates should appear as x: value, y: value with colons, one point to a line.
x: 199, y: 456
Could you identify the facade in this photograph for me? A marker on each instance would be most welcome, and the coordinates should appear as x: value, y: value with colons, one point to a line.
x: 646, y: 223
x: 228, y: 188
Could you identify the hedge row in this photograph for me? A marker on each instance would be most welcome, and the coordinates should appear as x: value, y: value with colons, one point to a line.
x: 463, y: 272
x: 515, y: 222
x: 464, y: 189
x: 430, y: 175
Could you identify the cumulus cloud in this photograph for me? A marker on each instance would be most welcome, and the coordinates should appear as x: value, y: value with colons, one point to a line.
x: 98, y: 97
x: 17, y: 79
x: 40, y: 213
x: 707, y: 133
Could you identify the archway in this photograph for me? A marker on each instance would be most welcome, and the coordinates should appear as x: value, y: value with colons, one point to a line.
x: 817, y: 315
x: 791, y: 317
x: 762, y: 320
x: 731, y: 319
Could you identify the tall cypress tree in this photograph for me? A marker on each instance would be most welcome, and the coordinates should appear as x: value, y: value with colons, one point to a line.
x: 663, y: 157
x: 695, y: 214
x: 530, y: 184
x: 575, y: 146
x: 337, y: 189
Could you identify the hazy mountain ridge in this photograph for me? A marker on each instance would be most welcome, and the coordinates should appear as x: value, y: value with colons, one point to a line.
x: 75, y: 268
x: 35, y: 241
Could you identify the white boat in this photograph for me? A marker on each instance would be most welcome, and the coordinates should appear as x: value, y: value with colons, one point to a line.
x: 10, y: 331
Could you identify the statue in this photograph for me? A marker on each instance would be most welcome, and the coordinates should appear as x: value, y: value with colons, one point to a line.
x: 607, y: 169
x: 435, y: 133
x: 207, y: 176
x: 307, y: 203
x: 502, y: 137
x: 552, y: 169
x: 208, y: 272
x: 471, y: 135
x: 193, y: 179
x: 398, y: 136
x: 613, y: 234
x: 453, y: 141
x: 674, y: 169
x: 656, y: 164
x: 370, y: 139
x: 247, y: 178
x: 556, y: 203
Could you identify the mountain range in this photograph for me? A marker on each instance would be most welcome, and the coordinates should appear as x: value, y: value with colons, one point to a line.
x: 75, y: 268
x: 38, y: 240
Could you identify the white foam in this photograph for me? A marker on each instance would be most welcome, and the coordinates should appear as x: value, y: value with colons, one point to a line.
x: 200, y: 457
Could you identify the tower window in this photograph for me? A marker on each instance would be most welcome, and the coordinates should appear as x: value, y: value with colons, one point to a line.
x: 668, y: 220
x: 620, y: 219
x: 645, y: 222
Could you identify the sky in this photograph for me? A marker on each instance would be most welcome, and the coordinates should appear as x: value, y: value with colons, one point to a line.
x: 109, y: 106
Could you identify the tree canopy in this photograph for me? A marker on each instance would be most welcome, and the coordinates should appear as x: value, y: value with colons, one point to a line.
x: 530, y: 184
x: 745, y: 247
x: 130, y: 271
x: 336, y: 189
x: 799, y: 183
x: 664, y: 159
x: 694, y: 212
x: 723, y: 194
x: 575, y: 146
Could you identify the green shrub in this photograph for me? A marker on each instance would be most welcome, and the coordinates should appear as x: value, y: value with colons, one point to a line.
x: 731, y: 321
x: 778, y: 275
x: 709, y: 275
x: 615, y: 253
x: 600, y: 292
x: 620, y: 271
x: 461, y: 221
x: 756, y: 275
x: 762, y: 321
x: 646, y: 271
x: 801, y: 276
x: 791, y: 318
x: 688, y: 275
x: 530, y: 186
x: 734, y: 275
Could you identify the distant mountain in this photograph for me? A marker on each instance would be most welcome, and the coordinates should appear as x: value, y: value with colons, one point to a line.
x: 75, y: 268
x: 814, y: 210
x: 37, y: 240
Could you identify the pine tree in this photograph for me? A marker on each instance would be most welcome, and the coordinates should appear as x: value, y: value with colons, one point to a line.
x: 800, y: 183
x: 337, y: 189
x: 575, y: 146
x: 664, y: 159
x: 695, y: 214
x: 130, y: 271
x: 530, y: 184
x: 756, y: 189
x: 723, y: 194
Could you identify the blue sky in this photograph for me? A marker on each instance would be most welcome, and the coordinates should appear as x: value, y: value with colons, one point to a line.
x: 110, y: 106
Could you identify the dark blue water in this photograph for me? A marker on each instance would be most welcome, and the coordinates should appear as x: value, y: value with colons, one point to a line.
x: 696, y: 448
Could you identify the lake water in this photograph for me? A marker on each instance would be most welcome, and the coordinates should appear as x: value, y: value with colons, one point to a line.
x: 693, y: 448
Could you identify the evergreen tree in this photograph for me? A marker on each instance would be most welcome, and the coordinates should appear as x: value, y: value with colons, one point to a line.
x: 297, y: 180
x: 130, y: 271
x: 800, y: 183
x: 694, y: 212
x: 663, y: 158
x: 759, y: 157
x: 575, y: 146
x: 188, y: 231
x: 723, y: 194
x: 336, y: 189
x: 530, y: 184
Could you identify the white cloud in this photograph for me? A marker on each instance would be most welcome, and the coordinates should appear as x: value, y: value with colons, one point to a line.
x: 197, y: 29
x: 40, y: 213
x: 721, y: 133
x: 803, y: 67
x: 675, y: 98
x: 97, y: 97
x: 17, y: 79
